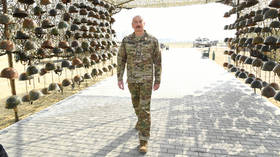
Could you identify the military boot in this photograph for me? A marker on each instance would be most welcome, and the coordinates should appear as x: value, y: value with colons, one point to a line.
x: 143, y: 148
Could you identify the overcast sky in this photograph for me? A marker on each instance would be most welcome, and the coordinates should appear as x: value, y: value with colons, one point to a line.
x: 178, y: 23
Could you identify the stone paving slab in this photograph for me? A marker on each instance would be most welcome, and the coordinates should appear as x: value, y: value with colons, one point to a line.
x: 219, y: 118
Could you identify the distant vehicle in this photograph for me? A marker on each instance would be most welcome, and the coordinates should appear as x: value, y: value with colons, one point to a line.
x: 202, y: 42
x: 214, y: 42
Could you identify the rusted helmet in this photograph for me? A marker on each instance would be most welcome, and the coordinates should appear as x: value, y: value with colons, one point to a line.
x: 257, y: 62
x: 47, y: 44
x: 43, y: 71
x: 29, y: 24
x: 66, y: 17
x: 66, y: 1
x: 268, y: 66
x: 19, y: 13
x: 45, y: 2
x: 84, y: 28
x: 7, y: 45
x: 83, y: 12
x: 274, y: 85
x: 9, y: 73
x: 29, y: 45
x: 49, y: 66
x: 47, y: 24
x: 63, y: 45
x: 75, y: 43
x: 12, y: 102
x: 25, y: 98
x: 268, y: 92
x: 34, y: 95
x: 66, y: 82
x: 53, y: 86
x: 45, y: 91
x: 274, y: 4
x: 77, y: 78
x: 76, y: 61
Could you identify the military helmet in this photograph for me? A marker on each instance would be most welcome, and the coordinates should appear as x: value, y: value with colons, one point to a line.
x: 275, y: 24
x: 32, y: 70
x: 271, y: 14
x: 38, y: 11
x: 12, y: 102
x: 268, y: 92
x: 60, y: 6
x: 270, y: 40
x: 29, y: 45
x: 34, y: 95
x: 21, y: 35
x: 53, y: 12
x: 49, y: 66
x: 274, y: 4
x: 268, y: 66
x: 9, y: 73
x: 66, y: 82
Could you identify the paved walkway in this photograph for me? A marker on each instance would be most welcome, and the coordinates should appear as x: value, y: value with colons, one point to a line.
x: 200, y: 110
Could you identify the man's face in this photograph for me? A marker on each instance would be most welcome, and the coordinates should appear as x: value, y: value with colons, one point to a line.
x: 138, y: 24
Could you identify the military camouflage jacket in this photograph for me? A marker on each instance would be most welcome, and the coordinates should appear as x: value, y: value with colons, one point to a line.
x: 142, y: 57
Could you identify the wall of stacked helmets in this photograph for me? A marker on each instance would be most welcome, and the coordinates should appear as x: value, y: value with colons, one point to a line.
x: 69, y: 39
x: 254, y: 51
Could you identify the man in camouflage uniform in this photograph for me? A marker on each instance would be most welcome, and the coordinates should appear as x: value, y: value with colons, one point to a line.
x: 140, y: 51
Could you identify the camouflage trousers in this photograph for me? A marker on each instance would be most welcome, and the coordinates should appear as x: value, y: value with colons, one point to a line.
x: 141, y: 98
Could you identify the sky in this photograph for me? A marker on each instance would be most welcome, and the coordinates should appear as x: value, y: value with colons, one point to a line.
x: 177, y: 24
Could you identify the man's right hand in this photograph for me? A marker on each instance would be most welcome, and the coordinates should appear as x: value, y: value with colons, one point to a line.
x: 120, y: 84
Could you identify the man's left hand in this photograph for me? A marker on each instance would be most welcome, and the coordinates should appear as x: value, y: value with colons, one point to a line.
x: 156, y: 86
